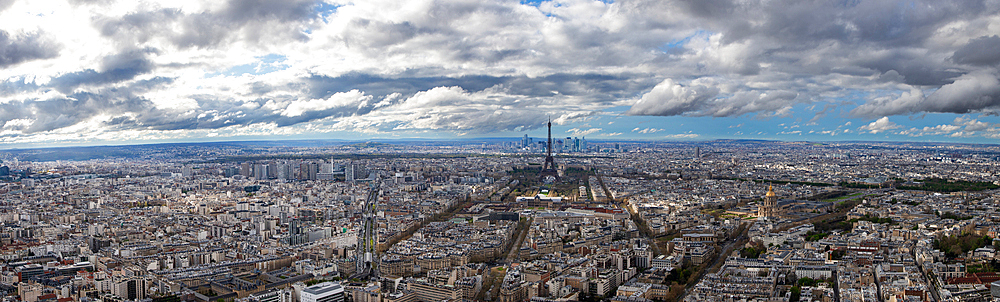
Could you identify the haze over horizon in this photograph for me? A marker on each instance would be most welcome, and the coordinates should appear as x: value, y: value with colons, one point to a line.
x: 94, y: 72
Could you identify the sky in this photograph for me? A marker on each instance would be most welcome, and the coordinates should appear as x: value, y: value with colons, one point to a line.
x: 87, y: 72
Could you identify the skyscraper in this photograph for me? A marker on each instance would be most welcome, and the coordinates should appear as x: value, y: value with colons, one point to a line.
x: 272, y: 170
x: 313, y: 171
x: 246, y: 170
x: 232, y: 171
x: 349, y: 171
x: 304, y: 171
x: 260, y: 171
x: 187, y: 171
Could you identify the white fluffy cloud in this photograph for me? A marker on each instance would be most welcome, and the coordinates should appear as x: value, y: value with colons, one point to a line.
x: 705, y: 98
x: 682, y: 136
x: 646, y: 131
x: 583, y: 132
x: 963, y: 126
x: 353, y: 98
x: 880, y: 125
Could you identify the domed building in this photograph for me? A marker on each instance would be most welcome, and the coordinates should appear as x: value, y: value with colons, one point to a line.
x: 768, y: 208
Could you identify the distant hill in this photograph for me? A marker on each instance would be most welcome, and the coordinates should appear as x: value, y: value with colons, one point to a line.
x: 370, y: 145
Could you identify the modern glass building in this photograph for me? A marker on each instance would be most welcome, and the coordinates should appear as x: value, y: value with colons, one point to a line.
x: 324, y: 292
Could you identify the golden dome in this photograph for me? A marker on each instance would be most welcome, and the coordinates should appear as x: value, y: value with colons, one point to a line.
x: 770, y: 191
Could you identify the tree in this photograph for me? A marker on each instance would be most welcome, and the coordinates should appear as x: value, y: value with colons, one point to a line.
x: 796, y: 294
x: 954, y: 246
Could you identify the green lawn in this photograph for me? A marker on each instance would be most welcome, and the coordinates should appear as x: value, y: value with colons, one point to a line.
x: 843, y: 197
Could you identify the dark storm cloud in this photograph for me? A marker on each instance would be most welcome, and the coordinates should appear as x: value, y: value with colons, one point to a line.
x: 114, y: 69
x: 980, y: 51
x: 214, y: 113
x: 58, y: 113
x: 138, y: 27
x: 61, y: 112
x: 375, y: 34
x: 884, y: 23
x: 973, y: 92
x: 915, y: 69
x: 596, y: 87
x: 250, y: 21
x: 26, y: 47
x: 13, y: 110
x: 243, y: 11
x: 323, y: 86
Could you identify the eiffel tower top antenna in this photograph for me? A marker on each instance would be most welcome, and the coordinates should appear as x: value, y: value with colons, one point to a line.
x: 549, y: 144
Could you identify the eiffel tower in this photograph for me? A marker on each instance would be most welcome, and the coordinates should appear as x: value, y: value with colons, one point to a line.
x: 549, y: 168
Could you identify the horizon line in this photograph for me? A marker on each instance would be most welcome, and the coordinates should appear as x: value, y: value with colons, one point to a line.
x: 348, y: 141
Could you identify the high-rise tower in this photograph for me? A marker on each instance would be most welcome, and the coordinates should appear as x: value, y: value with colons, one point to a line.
x: 549, y: 168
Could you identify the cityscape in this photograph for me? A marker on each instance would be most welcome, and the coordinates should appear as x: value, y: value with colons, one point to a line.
x: 502, y: 220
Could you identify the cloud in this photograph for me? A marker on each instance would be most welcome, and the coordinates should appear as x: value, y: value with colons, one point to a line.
x: 984, y: 50
x: 962, y: 126
x: 973, y: 92
x: 822, y: 113
x: 353, y: 98
x: 682, y: 136
x: 647, y: 130
x: 702, y: 99
x: 586, y: 87
x: 463, y: 112
x: 114, y: 69
x: 252, y: 22
x: 473, y: 67
x: 970, y: 124
x: 670, y: 98
x: 24, y: 47
x: 936, y: 130
x: 880, y: 125
x: 583, y: 132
